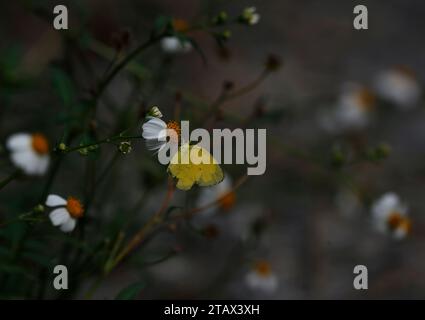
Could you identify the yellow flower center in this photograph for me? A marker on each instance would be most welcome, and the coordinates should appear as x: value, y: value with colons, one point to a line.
x: 74, y: 207
x: 366, y: 99
x: 39, y: 143
x: 173, y: 125
x: 180, y: 25
x: 263, y: 268
x: 227, y: 201
x: 396, y: 221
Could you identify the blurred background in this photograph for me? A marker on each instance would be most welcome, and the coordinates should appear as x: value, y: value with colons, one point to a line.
x: 302, y: 226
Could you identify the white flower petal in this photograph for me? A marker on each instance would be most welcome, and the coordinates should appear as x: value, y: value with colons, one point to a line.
x: 43, y: 164
x: 387, y: 204
x: 208, y: 195
x: 19, y: 142
x: 158, y: 122
x: 398, y: 88
x: 154, y: 145
x: 266, y: 284
x: 400, y: 233
x: 26, y: 160
x: 174, y: 45
x: 69, y: 225
x: 383, y: 207
x: 348, y: 113
x: 54, y: 200
x: 224, y: 186
x: 59, y: 216
x: 152, y: 128
x: 255, y: 18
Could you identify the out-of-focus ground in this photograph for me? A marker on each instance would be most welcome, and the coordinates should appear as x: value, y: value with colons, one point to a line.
x: 311, y: 245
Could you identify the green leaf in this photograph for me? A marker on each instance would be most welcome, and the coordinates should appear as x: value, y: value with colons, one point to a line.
x: 130, y: 292
x: 10, y: 58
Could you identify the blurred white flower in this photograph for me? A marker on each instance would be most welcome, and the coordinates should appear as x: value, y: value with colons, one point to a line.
x: 29, y: 152
x: 262, y: 278
x: 352, y: 111
x: 175, y: 45
x: 399, y: 86
x: 155, y: 132
x: 221, y: 192
x: 390, y: 215
x: 250, y: 16
x: 65, y: 212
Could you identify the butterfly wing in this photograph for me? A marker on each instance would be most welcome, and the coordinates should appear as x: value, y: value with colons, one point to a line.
x: 201, y: 168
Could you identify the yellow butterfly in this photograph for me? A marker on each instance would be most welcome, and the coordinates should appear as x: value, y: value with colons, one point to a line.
x: 193, y: 164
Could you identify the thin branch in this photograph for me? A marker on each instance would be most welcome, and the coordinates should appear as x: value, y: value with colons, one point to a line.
x: 10, y: 178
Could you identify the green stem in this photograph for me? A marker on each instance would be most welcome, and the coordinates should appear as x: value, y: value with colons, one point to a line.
x: 22, y: 217
x: 124, y: 62
x: 10, y: 178
x: 153, y: 222
x: 106, y: 140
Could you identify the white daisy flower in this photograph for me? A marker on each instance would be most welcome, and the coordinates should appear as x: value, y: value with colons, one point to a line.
x: 65, y: 212
x: 173, y: 44
x: 399, y: 86
x: 155, y: 132
x: 390, y: 215
x: 29, y: 152
x: 221, y: 192
x: 262, y: 278
x: 250, y: 16
x: 353, y: 110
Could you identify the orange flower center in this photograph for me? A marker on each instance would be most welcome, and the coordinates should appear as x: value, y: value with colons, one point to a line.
x: 396, y: 221
x: 74, y: 207
x: 174, y: 126
x: 39, y: 143
x: 227, y: 201
x: 366, y: 99
x: 180, y: 25
x: 406, y: 71
x: 263, y: 268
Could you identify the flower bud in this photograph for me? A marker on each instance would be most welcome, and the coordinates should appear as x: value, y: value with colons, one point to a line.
x: 39, y: 208
x: 154, y: 112
x: 221, y: 18
x: 249, y: 16
x: 62, y: 146
x: 125, y: 147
